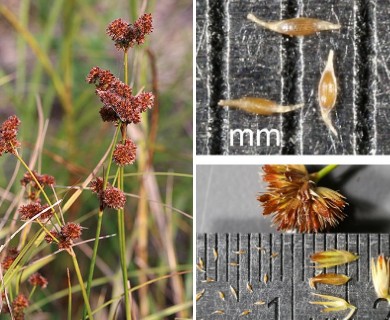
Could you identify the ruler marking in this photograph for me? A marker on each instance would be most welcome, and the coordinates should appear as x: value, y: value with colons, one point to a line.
x: 358, y: 261
x: 281, y: 257
x: 270, y: 260
x: 239, y: 266
x: 303, y: 255
x: 216, y: 261
x: 227, y: 257
x: 292, y: 278
x: 206, y: 257
x: 249, y: 257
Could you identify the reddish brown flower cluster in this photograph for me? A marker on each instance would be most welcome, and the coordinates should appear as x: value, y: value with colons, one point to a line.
x: 37, y: 280
x: 18, y: 305
x: 9, y: 258
x: 126, y: 35
x: 31, y: 209
x: 8, y: 133
x: 111, y: 197
x: 43, y: 179
x: 69, y: 232
x: 125, y: 153
x: 297, y: 203
x: 118, y: 101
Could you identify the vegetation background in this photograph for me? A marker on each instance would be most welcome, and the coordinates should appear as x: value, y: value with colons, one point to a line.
x: 46, y: 50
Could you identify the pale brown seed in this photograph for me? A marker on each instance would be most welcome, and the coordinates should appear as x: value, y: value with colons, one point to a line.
x: 274, y: 255
x: 200, y: 265
x: 296, y: 26
x: 221, y: 295
x: 240, y: 252
x: 234, y: 264
x: 208, y: 280
x: 200, y: 294
x: 218, y: 312
x: 245, y: 313
x: 249, y: 287
x: 258, y: 105
x: 265, y: 278
x: 329, y: 278
x: 259, y: 303
x: 215, y: 253
x: 327, y: 92
x: 234, y: 292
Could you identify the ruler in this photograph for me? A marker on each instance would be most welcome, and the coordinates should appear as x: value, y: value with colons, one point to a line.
x: 273, y: 270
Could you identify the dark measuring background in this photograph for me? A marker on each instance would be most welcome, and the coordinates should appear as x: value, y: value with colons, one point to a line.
x: 226, y: 198
x: 237, y: 58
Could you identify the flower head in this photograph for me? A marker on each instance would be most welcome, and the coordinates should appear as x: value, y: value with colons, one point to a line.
x: 31, y: 209
x: 126, y: 35
x: 114, y: 198
x: 37, y: 280
x: 18, y: 305
x: 8, y: 133
x: 125, y: 153
x: 9, y: 258
x: 65, y: 237
x: 71, y: 230
x: 297, y: 202
x: 380, y: 272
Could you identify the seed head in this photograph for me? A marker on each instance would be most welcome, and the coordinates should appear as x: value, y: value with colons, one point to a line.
x: 37, y: 280
x: 71, y: 230
x: 296, y: 201
x: 32, y: 209
x: 126, y: 35
x: 43, y: 179
x: 380, y: 272
x: 114, y: 198
x: 8, y: 135
x: 9, y: 258
x: 18, y: 305
x: 49, y: 239
x: 125, y: 153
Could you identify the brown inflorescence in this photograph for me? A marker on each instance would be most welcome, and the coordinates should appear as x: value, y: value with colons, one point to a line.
x: 65, y: 237
x: 116, y: 96
x: 18, y: 305
x: 296, y: 201
x: 125, y: 153
x: 43, y: 179
x: 31, y: 209
x: 9, y: 258
x: 114, y: 198
x: 37, y: 280
x: 126, y: 35
x: 8, y: 135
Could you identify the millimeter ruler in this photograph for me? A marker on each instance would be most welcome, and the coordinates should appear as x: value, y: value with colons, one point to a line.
x: 266, y: 276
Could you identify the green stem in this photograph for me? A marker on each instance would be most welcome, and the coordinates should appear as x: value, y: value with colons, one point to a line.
x: 317, y: 176
x: 82, y: 286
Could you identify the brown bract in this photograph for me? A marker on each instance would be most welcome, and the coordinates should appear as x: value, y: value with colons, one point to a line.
x: 126, y: 35
x: 297, y: 203
x: 125, y: 153
x: 8, y: 133
x: 18, y: 305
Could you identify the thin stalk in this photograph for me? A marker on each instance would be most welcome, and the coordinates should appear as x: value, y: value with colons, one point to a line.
x: 69, y: 295
x: 32, y: 292
x: 82, y: 286
x: 317, y: 176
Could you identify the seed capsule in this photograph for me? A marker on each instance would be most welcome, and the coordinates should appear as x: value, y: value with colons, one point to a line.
x: 331, y: 258
x: 327, y: 92
x: 296, y: 26
x: 259, y: 105
x: 329, y: 278
x: 334, y: 304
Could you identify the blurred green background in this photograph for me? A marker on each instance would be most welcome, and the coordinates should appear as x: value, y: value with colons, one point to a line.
x: 46, y: 50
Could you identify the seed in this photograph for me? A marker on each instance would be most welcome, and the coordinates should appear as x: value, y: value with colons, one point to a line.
x: 329, y: 278
x: 208, y: 280
x: 260, y: 249
x: 200, y: 294
x: 234, y: 264
x: 331, y: 258
x: 234, y: 292
x: 218, y: 312
x: 265, y: 278
x: 274, y: 255
x: 259, y: 105
x: 259, y: 303
x: 296, y: 26
x: 215, y: 253
x: 200, y: 265
x: 221, y: 295
x: 245, y: 313
x: 327, y: 92
x: 240, y: 252
x: 249, y: 287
